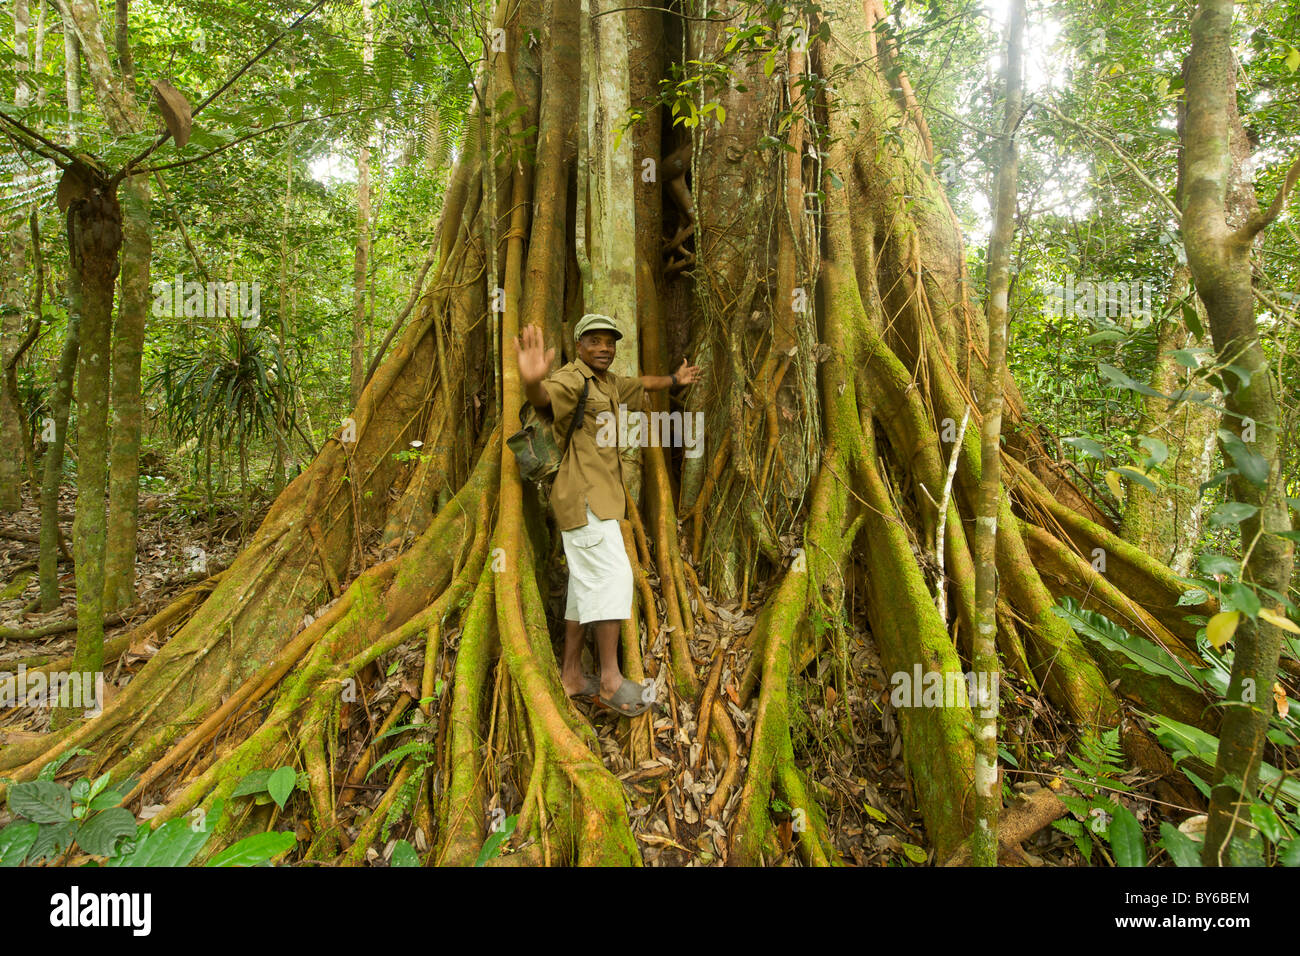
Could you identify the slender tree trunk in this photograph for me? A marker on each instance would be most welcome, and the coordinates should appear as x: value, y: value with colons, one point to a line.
x: 72, y: 77
x: 988, y: 797
x: 1220, y: 242
x: 12, y: 300
x: 282, y: 397
x: 1167, y: 523
x: 361, y: 259
x: 12, y: 310
x: 55, y: 432
x: 128, y: 351
x: 96, y: 240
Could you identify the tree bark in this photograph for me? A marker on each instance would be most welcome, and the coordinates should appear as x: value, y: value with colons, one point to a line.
x: 1220, y: 244
x: 988, y: 796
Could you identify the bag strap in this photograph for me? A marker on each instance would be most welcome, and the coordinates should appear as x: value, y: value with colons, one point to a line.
x: 578, y: 415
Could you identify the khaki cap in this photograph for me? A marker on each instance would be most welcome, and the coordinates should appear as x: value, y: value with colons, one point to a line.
x: 593, y: 321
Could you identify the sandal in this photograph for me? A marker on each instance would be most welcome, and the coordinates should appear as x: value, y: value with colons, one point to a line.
x: 590, y: 687
x: 626, y: 701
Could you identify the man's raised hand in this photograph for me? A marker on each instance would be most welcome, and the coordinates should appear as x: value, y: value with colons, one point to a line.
x: 534, y: 361
x: 688, y: 374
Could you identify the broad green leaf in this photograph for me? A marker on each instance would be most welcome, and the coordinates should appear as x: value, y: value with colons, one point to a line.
x: 280, y: 785
x: 1251, y: 464
x: 1157, y: 451
x: 1290, y: 856
x: 101, y: 834
x: 404, y: 855
x: 1126, y: 838
x: 1246, y: 851
x: 1267, y: 821
x: 52, y: 840
x: 1191, y: 319
x: 1138, y: 475
x: 1176, y: 736
x: 1212, y: 564
x: 102, y: 801
x: 255, y: 849
x: 15, y: 840
x: 174, y: 843
x: 41, y: 801
x: 98, y: 786
x: 1088, y: 447
x: 255, y: 782
x: 1182, y: 849
x: 1240, y: 597
x: 1231, y: 512
x: 492, y: 845
x: 1145, y: 654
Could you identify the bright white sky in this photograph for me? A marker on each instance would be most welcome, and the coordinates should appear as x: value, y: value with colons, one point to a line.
x: 1044, y: 70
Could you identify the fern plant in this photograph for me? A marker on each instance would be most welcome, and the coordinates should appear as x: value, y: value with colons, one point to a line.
x: 1096, y: 817
x: 423, y: 754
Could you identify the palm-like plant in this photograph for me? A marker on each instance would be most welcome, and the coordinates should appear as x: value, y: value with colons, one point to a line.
x: 237, y: 387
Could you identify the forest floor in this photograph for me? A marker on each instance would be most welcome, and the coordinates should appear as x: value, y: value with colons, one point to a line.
x: 849, y: 746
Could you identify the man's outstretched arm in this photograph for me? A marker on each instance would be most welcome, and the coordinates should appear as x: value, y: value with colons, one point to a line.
x: 534, y: 363
x: 685, y: 375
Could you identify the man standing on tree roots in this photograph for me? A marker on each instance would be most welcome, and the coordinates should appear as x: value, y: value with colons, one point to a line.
x: 588, y: 497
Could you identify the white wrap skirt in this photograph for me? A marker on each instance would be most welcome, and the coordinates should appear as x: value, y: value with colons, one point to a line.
x: 600, y: 575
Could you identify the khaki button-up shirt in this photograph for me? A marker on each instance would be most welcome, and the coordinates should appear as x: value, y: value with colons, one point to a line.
x: 590, y: 475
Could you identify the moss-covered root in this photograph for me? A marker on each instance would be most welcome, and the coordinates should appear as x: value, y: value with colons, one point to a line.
x: 461, y: 824
x: 938, y: 741
x: 810, y: 584
x: 753, y: 839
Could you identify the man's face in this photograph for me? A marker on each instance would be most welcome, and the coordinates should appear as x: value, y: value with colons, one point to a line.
x: 597, y: 349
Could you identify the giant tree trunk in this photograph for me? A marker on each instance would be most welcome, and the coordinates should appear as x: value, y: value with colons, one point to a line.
x: 826, y: 290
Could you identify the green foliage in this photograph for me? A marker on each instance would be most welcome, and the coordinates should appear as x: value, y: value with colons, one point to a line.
x: 404, y: 855
x: 52, y: 820
x: 496, y: 840
x: 1094, y: 813
x: 228, y: 393
x: 276, y: 785
x: 423, y: 754
x: 1140, y: 652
